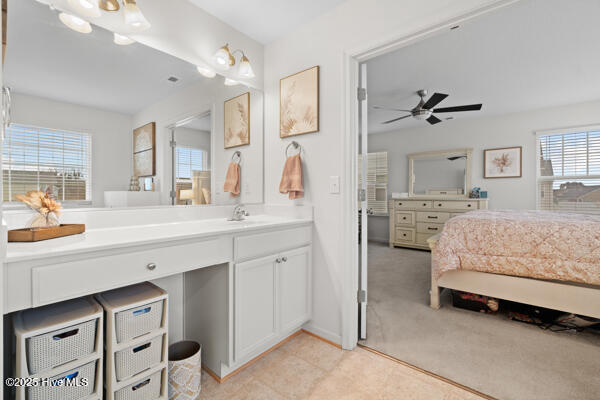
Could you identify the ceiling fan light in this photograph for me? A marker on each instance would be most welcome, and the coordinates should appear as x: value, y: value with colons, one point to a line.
x: 230, y: 82
x: 223, y: 58
x: 122, y: 40
x: 75, y: 23
x: 422, y: 114
x: 133, y: 16
x: 109, y: 5
x: 87, y: 8
x: 206, y: 71
x: 245, y: 69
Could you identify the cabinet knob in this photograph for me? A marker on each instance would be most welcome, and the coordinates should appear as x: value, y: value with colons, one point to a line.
x: 284, y: 259
x: 151, y: 266
x: 278, y: 261
x: 468, y: 205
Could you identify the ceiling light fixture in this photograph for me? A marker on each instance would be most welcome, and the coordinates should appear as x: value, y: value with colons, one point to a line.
x: 122, y: 40
x: 224, y: 59
x: 75, y: 23
x: 109, y: 5
x: 230, y: 82
x: 87, y: 8
x: 206, y: 71
x: 133, y: 16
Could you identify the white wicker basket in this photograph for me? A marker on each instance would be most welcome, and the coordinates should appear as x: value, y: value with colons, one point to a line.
x: 135, y: 359
x: 145, y: 389
x: 138, y: 321
x: 61, y: 346
x: 59, y: 390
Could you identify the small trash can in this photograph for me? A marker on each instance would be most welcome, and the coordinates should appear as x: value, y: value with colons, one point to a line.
x: 185, y: 370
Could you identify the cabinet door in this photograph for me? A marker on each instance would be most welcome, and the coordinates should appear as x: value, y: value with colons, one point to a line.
x: 294, y: 291
x: 255, y: 322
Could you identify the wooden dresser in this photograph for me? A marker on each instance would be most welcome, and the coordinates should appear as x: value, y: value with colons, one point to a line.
x: 415, y: 219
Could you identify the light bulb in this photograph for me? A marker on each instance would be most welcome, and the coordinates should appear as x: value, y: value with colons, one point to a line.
x: 133, y: 16
x: 223, y: 57
x: 206, y: 71
x: 122, y: 40
x: 87, y: 8
x: 75, y: 23
x: 245, y: 69
x: 230, y: 82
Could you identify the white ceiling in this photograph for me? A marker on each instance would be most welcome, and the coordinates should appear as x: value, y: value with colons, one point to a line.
x: 533, y: 54
x: 199, y: 124
x: 266, y: 20
x: 45, y: 58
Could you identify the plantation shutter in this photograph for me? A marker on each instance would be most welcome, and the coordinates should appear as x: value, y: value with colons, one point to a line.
x: 41, y: 158
x: 377, y: 181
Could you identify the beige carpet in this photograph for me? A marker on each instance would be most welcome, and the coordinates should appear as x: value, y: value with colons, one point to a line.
x: 502, y: 358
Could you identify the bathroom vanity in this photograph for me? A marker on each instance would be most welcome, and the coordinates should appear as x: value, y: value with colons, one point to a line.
x: 246, y: 284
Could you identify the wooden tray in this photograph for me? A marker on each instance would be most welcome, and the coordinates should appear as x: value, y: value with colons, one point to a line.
x: 37, y: 234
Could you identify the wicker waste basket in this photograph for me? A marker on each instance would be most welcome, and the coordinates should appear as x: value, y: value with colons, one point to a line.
x: 185, y: 370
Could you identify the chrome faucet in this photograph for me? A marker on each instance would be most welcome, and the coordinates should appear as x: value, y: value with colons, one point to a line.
x: 239, y: 213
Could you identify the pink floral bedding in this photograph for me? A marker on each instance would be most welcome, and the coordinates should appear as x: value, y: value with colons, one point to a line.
x: 536, y: 244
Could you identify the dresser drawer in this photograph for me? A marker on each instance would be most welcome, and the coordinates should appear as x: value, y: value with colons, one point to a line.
x: 427, y: 227
x: 422, y: 238
x: 56, y: 282
x: 455, y: 205
x: 432, y: 216
x: 405, y: 235
x: 405, y: 217
x: 263, y: 244
x: 416, y: 204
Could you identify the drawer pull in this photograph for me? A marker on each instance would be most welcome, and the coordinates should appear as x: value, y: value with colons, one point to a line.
x: 65, y: 335
x: 404, y: 218
x: 142, y: 347
x: 432, y: 229
x: 432, y: 217
x: 424, y: 204
x: 404, y: 234
x: 469, y: 205
x: 151, y: 266
x: 140, y: 385
x: 439, y: 204
x: 142, y: 311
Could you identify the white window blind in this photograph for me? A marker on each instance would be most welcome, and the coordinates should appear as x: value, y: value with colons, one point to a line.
x: 569, y: 171
x: 41, y: 158
x: 188, y: 161
x: 377, y: 181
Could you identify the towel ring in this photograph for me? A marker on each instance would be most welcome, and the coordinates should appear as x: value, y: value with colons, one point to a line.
x: 238, y: 154
x: 296, y: 146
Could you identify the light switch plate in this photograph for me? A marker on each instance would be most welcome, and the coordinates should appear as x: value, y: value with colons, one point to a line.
x: 334, y: 184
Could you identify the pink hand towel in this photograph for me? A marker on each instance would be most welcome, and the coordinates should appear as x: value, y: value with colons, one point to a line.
x: 291, y: 179
x: 232, y: 180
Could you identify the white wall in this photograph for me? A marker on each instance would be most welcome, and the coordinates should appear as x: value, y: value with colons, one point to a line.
x: 353, y: 24
x: 480, y: 133
x: 193, y: 100
x: 111, y: 137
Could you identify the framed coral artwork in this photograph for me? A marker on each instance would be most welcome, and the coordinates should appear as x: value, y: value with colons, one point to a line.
x: 237, y: 121
x: 503, y: 163
x: 299, y: 103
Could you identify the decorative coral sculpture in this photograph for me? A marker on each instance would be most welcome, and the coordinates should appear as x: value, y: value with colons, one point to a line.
x: 44, y: 205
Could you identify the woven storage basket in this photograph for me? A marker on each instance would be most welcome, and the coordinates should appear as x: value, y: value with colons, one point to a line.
x: 138, y: 321
x: 56, y: 391
x: 61, y: 346
x: 136, y: 359
x: 145, y: 389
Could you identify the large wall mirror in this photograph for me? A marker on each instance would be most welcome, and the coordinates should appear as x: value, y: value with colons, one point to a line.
x: 444, y: 173
x: 90, y: 118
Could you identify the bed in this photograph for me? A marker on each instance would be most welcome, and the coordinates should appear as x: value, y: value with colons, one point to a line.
x: 541, y: 258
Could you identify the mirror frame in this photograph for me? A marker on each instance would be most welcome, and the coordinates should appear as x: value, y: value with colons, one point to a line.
x: 442, y: 153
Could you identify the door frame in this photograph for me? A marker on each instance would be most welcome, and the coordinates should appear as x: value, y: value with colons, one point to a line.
x: 350, y: 122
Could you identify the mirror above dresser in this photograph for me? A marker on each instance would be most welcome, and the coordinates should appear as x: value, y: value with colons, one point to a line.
x: 445, y: 173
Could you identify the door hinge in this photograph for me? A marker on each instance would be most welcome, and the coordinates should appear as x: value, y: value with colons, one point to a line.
x: 361, y: 94
x: 173, y: 143
x: 362, y: 296
x: 362, y: 195
x: 172, y: 194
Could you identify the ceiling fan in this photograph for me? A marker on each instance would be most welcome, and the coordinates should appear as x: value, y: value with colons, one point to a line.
x: 425, y: 111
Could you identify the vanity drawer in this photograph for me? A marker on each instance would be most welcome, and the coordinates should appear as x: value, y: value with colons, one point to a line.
x: 405, y: 217
x: 439, y: 217
x: 430, y: 228
x: 56, y: 282
x: 417, y: 204
x: 455, y: 205
x: 405, y: 235
x: 262, y: 244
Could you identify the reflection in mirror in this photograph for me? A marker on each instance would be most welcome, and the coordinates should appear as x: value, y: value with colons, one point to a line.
x: 77, y: 99
x: 440, y: 174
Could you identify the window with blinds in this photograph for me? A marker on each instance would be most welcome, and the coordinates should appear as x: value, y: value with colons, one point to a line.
x: 569, y: 171
x: 41, y: 159
x: 377, y: 181
x: 188, y: 160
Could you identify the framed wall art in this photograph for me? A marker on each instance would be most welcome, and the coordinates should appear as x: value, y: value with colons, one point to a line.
x: 144, y: 150
x: 299, y: 103
x: 237, y: 121
x: 503, y: 162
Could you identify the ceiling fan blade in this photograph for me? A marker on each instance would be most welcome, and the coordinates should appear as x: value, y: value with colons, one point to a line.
x: 470, y: 107
x: 434, y: 100
x: 388, y: 108
x: 396, y: 119
x: 433, y: 120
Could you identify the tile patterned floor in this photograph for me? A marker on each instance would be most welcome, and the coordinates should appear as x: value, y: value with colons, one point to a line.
x: 308, y: 368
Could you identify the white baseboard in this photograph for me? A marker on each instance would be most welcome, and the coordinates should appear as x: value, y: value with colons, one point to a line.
x: 325, y: 334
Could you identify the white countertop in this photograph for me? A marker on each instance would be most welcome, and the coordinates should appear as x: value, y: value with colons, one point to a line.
x: 127, y: 236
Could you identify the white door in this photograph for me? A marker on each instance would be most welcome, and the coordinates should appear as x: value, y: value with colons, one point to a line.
x: 294, y: 288
x: 255, y: 318
x: 363, y: 151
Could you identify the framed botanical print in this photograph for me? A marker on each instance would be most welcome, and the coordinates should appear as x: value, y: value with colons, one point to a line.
x: 503, y: 162
x: 299, y: 103
x: 144, y: 150
x: 237, y: 121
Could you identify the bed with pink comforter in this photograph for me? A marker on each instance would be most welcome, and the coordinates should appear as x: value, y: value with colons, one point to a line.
x: 534, y: 244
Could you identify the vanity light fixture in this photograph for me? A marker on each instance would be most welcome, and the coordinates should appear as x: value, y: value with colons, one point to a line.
x: 109, y: 5
x: 133, y: 16
x: 245, y: 69
x: 87, y: 8
x: 122, y: 40
x: 224, y: 59
x: 206, y: 71
x: 230, y: 82
x: 75, y: 23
